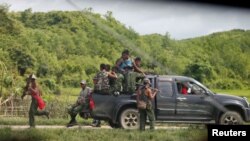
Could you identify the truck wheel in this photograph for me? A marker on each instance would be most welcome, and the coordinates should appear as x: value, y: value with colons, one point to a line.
x: 129, y: 119
x: 231, y: 118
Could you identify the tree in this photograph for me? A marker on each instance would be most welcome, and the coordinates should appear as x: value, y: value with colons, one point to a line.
x: 23, y: 59
x: 199, y: 71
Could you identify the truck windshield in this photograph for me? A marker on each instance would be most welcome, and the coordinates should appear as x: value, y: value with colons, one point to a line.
x: 204, y: 87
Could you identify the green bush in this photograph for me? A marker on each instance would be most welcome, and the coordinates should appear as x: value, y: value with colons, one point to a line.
x: 228, y: 84
x: 50, y: 86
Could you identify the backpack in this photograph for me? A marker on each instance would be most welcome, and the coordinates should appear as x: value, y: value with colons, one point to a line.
x: 143, y: 102
x: 102, y: 84
x: 141, y: 99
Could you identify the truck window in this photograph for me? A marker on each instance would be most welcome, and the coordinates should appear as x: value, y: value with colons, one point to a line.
x: 189, y: 88
x: 197, y: 90
x: 165, y: 88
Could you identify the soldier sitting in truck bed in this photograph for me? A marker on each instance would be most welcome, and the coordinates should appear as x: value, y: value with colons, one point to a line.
x: 101, y: 80
x: 131, y: 71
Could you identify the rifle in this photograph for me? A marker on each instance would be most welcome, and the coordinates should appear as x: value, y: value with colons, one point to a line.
x: 25, y: 89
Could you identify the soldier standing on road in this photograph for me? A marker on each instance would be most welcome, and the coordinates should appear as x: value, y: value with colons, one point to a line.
x: 36, y: 102
x: 144, y: 93
x: 81, y: 103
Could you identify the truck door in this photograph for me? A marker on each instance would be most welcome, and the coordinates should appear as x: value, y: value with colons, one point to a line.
x: 165, y: 100
x: 192, y: 105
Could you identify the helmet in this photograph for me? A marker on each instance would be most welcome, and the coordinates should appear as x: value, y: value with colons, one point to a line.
x: 146, y: 81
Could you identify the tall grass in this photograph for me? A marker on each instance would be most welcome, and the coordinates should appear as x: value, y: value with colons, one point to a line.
x: 103, y: 135
x: 42, y: 121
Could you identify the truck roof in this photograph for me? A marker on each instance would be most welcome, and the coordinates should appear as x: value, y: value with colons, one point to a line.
x: 171, y: 77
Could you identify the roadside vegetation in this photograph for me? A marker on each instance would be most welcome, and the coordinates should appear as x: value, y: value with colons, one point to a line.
x: 242, y: 92
x: 7, y: 134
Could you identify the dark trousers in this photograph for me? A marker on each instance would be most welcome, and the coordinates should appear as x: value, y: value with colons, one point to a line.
x: 75, y: 109
x: 143, y: 117
x: 33, y: 111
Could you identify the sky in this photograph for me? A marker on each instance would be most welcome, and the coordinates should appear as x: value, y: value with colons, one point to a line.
x: 181, y: 20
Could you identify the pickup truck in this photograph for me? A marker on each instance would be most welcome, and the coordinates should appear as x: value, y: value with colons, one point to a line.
x: 199, y: 105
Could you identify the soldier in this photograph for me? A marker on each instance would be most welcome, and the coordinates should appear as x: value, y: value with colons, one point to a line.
x: 137, y: 66
x: 116, y: 83
x: 130, y: 70
x: 101, y: 80
x: 145, y: 94
x: 124, y: 63
x: 36, y: 102
x: 81, y: 103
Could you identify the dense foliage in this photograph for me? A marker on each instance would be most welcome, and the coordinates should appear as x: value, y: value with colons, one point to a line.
x: 63, y: 47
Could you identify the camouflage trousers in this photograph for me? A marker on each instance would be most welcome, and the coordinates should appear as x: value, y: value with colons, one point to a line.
x: 143, y: 117
x: 117, y: 85
x: 75, y: 109
x: 130, y: 80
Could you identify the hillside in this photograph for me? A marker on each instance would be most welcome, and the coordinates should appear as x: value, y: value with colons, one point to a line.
x: 62, y: 48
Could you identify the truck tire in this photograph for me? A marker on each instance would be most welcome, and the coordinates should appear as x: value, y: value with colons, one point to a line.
x: 129, y: 119
x: 231, y: 118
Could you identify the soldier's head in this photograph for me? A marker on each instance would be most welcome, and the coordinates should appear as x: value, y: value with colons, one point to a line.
x: 102, y: 67
x: 146, y: 82
x: 33, y: 80
x: 125, y: 54
x: 107, y: 67
x: 138, y: 61
x: 83, y: 84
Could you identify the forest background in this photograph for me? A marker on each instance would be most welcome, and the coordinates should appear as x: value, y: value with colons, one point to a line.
x: 64, y: 47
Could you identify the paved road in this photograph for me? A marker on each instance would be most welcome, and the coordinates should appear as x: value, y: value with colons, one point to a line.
x: 19, y: 127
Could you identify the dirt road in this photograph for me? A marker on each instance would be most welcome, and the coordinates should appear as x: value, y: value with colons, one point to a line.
x: 20, y: 127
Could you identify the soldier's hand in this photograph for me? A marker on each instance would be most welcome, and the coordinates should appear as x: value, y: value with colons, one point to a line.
x: 156, y: 90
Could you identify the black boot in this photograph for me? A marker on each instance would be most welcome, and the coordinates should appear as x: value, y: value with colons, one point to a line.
x: 72, y: 122
x: 96, y: 123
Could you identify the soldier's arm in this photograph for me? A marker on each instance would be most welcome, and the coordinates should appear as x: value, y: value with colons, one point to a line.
x: 112, y: 75
x: 25, y: 92
x: 118, y: 63
x: 151, y: 94
x: 137, y: 68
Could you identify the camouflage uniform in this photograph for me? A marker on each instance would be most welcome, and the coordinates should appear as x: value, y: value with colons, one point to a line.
x: 116, y: 84
x: 149, y: 111
x: 130, y: 80
x: 82, y: 104
x: 102, y: 84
